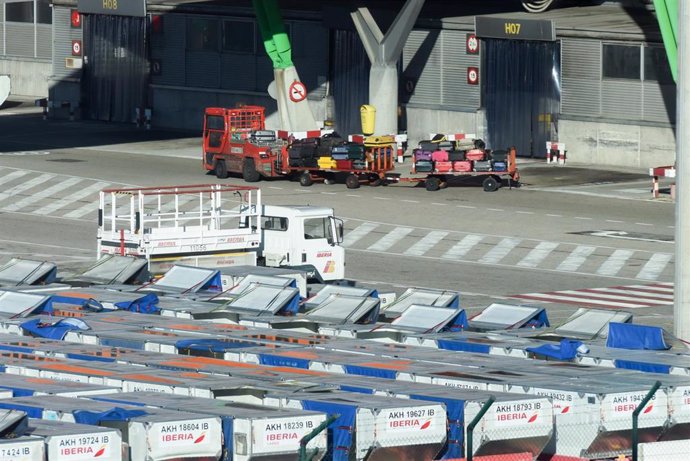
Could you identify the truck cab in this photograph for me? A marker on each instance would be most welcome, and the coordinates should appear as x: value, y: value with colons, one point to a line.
x: 307, y: 237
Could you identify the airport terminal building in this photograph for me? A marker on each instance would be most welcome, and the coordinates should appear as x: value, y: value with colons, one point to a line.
x: 592, y: 77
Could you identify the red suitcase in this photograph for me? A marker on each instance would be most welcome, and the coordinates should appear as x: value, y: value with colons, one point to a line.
x: 475, y: 155
x: 443, y: 167
x: 439, y: 156
x: 462, y: 166
x: 343, y: 164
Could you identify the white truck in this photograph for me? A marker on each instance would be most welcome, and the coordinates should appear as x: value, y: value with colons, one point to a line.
x: 215, y: 225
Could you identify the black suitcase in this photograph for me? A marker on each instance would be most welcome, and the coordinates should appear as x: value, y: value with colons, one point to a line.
x: 482, y: 165
x: 456, y: 155
x: 499, y: 155
x: 479, y: 144
x: 428, y: 145
x: 445, y: 145
x: 305, y: 147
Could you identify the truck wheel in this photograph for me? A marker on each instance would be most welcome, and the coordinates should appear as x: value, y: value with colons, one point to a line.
x: 220, y: 169
x: 352, y: 181
x: 305, y: 179
x: 490, y: 184
x: 249, y: 172
x: 432, y: 184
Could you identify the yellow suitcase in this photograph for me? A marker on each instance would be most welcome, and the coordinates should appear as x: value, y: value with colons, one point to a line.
x: 326, y: 163
x: 379, y: 141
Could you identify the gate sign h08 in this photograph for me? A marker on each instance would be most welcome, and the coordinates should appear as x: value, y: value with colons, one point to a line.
x: 113, y: 7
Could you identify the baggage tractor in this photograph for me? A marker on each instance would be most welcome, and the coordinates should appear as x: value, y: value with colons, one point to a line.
x: 359, y: 165
x: 439, y: 156
x: 483, y: 165
x: 344, y: 164
x: 423, y: 166
x: 499, y: 155
x: 443, y: 167
x: 420, y: 154
x: 475, y: 155
x: 456, y: 155
x: 326, y: 163
x: 500, y: 166
x: 463, y: 166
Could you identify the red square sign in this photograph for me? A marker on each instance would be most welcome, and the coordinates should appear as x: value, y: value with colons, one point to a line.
x: 76, y: 47
x: 473, y: 75
x: 75, y: 19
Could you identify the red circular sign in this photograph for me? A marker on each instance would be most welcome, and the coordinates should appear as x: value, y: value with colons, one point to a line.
x: 472, y: 44
x: 472, y: 75
x: 75, y: 18
x: 297, y: 91
x: 76, y: 47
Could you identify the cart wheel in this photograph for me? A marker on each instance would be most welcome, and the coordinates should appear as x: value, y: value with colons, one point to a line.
x: 432, y: 184
x: 249, y: 172
x: 375, y: 180
x: 305, y: 179
x: 352, y: 181
x: 220, y: 169
x: 490, y: 184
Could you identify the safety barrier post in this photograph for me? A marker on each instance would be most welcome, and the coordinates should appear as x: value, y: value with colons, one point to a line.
x: 636, y: 415
x: 473, y: 423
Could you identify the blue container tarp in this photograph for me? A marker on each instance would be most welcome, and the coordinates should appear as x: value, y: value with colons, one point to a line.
x: 282, y: 361
x: 56, y: 330
x: 642, y: 366
x: 565, y: 350
x: 116, y: 414
x: 341, y: 430
x: 455, y: 414
x: 631, y: 336
x: 370, y: 371
x: 463, y: 346
x: 146, y: 304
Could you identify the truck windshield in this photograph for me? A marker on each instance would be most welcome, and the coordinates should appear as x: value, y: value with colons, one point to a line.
x: 318, y: 228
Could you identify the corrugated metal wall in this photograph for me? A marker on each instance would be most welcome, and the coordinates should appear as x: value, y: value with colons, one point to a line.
x: 44, y: 34
x: 2, y: 29
x: 436, y: 61
x: 586, y: 94
x: 169, y: 49
x: 63, y: 34
x: 20, y: 39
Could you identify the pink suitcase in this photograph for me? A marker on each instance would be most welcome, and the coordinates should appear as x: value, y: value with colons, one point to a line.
x: 439, y: 156
x: 462, y: 166
x: 443, y: 167
x: 475, y: 155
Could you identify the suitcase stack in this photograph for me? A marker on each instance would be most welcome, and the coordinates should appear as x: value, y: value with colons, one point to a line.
x: 330, y: 152
x: 303, y: 153
x: 464, y: 156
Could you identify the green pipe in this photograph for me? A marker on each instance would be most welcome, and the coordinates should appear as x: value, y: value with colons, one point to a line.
x: 276, y: 40
x: 667, y: 15
x: 636, y: 414
x: 307, y: 438
x: 473, y: 423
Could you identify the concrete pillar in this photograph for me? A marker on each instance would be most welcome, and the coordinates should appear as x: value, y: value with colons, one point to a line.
x: 681, y: 306
x: 384, y: 52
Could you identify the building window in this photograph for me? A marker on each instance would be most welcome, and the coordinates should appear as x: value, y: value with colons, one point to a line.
x: 19, y: 12
x: 656, y: 66
x: 238, y: 36
x: 44, y: 12
x: 202, y: 34
x: 622, y: 61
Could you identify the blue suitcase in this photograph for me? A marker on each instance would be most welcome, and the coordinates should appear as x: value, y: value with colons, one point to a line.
x: 424, y: 166
x: 500, y: 166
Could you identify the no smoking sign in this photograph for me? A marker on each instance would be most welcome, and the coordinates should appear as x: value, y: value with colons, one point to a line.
x: 473, y: 75
x: 297, y: 91
x: 76, y: 47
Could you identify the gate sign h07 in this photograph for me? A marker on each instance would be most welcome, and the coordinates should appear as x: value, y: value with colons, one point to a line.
x: 515, y: 29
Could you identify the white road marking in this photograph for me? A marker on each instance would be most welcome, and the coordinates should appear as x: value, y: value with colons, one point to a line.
x: 390, y: 239
x: 18, y: 189
x: 426, y: 243
x: 582, y: 217
x: 466, y: 206
x: 525, y: 212
x: 655, y: 266
x: 410, y: 201
x: 615, y: 262
x: 576, y: 258
x: 495, y: 209
x: 69, y: 182
x: 554, y: 215
x: 357, y: 233
x: 500, y: 251
x: 614, y: 220
x: 643, y: 224
x: 12, y: 176
x: 461, y: 248
x: 538, y: 254
x: 438, y: 204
